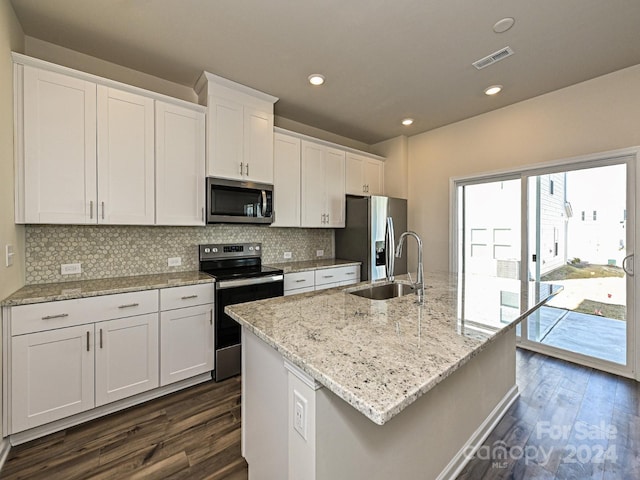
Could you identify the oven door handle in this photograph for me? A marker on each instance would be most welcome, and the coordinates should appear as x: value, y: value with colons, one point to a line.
x: 248, y: 281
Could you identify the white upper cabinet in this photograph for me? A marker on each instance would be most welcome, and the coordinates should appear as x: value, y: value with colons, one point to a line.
x: 58, y: 143
x: 180, y: 167
x: 125, y: 158
x: 364, y: 175
x: 86, y: 151
x: 239, y: 130
x: 286, y: 180
x: 322, y: 186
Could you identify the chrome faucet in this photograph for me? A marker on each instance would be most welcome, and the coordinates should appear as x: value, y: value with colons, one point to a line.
x: 390, y: 252
x: 419, y: 283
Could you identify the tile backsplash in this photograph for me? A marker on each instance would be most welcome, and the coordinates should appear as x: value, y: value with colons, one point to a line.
x: 119, y: 251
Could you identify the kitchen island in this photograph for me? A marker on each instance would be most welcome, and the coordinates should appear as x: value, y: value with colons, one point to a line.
x: 340, y: 386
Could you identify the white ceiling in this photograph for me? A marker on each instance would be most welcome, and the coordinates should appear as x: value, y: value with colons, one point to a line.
x: 384, y: 60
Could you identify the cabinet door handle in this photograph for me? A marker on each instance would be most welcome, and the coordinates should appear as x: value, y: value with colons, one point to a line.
x: 61, y: 315
x: 128, y: 305
x: 211, y: 317
x: 102, y: 210
x: 241, y: 167
x: 327, y: 218
x: 88, y: 348
x: 91, y: 209
x: 203, y: 214
x: 364, y: 188
x: 246, y: 167
x: 100, y: 338
x: 188, y: 297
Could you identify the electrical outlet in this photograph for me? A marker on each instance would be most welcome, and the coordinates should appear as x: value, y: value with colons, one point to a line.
x: 9, y: 255
x: 287, y: 254
x: 300, y: 414
x: 70, y: 268
x: 174, y: 261
x: 319, y: 253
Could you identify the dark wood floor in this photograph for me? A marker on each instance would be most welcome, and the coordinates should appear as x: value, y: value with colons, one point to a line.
x: 570, y: 422
x: 193, y: 434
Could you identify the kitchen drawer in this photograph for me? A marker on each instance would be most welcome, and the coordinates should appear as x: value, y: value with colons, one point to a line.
x: 66, y: 313
x: 188, y: 296
x: 294, y: 281
x: 337, y: 274
x: 295, y: 291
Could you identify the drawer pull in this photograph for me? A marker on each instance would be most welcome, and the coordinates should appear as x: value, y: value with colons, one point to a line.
x: 350, y: 273
x: 327, y: 276
x: 49, y: 317
x: 189, y: 297
x: 301, y: 280
x: 128, y: 305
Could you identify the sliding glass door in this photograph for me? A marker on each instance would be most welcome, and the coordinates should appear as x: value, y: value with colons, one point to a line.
x: 570, y: 224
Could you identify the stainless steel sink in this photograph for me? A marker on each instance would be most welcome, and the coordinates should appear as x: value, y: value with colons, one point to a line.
x: 384, y: 292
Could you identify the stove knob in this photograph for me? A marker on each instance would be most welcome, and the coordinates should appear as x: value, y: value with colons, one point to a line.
x: 257, y: 248
x: 250, y: 248
x: 207, y: 250
x: 214, y: 250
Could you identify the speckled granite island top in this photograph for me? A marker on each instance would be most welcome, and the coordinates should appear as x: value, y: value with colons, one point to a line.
x: 382, y: 355
x: 48, y: 292
x: 304, y: 266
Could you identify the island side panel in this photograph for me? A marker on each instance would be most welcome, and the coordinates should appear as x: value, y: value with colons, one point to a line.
x: 264, y: 409
x: 422, y: 440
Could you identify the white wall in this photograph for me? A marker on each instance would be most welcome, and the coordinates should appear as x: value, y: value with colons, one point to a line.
x: 594, y: 116
x: 395, y: 166
x: 11, y: 39
x: 86, y: 63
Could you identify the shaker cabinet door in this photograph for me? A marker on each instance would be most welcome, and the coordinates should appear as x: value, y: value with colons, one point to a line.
x: 180, y: 165
x: 186, y: 343
x: 126, y: 158
x: 59, y: 142
x: 225, y: 139
x: 286, y: 180
x: 51, y: 375
x: 126, y: 357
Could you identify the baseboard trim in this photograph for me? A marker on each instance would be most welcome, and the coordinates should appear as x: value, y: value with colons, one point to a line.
x: 41, y: 431
x: 460, y: 459
x: 5, y: 446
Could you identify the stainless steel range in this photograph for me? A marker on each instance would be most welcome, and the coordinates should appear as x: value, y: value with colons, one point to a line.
x: 240, y: 277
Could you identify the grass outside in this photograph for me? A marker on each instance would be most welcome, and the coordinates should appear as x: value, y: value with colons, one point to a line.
x: 587, y: 270
x: 582, y: 270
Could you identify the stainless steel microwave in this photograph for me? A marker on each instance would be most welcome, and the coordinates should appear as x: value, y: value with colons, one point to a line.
x: 233, y: 201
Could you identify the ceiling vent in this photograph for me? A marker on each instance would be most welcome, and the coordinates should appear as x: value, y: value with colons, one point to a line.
x: 493, y: 58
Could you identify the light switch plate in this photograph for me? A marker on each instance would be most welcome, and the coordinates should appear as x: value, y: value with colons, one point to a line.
x: 287, y: 254
x: 9, y: 255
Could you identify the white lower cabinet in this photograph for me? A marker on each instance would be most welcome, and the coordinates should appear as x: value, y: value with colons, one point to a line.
x: 320, y: 279
x: 52, y: 375
x: 186, y: 342
x: 126, y: 357
x: 72, y: 356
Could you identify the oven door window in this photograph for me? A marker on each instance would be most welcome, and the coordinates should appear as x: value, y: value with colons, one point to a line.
x: 227, y: 329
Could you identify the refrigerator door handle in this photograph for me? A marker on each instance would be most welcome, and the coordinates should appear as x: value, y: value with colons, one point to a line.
x: 389, y: 249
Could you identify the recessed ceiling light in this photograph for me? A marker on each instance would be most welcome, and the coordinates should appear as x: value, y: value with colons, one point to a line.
x: 407, y: 121
x: 316, y: 79
x: 493, y: 89
x: 503, y: 25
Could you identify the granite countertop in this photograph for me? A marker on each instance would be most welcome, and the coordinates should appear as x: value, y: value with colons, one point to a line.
x: 381, y: 356
x: 48, y: 292
x: 304, y: 266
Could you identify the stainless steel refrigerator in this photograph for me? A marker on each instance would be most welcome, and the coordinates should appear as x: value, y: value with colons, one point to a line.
x: 363, y: 238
